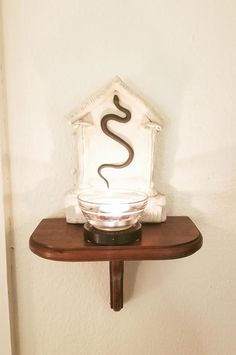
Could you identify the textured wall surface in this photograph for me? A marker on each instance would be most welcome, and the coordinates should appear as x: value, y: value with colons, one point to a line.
x: 5, y: 339
x: 181, y: 55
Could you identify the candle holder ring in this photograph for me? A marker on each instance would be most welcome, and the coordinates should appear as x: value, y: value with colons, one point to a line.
x: 104, y: 237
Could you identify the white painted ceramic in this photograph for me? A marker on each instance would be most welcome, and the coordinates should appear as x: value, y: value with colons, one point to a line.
x: 95, y: 148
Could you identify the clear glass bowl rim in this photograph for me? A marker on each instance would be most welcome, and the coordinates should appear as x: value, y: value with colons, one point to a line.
x: 102, y: 192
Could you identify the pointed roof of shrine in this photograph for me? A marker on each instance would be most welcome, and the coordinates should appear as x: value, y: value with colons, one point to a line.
x: 116, y: 86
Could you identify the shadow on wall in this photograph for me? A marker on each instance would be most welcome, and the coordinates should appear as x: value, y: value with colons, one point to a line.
x: 155, y: 274
x: 130, y: 275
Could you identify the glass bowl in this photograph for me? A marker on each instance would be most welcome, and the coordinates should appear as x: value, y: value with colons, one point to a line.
x: 112, y: 210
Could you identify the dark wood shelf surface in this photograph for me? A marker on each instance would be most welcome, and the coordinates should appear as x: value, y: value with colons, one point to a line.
x: 55, y: 239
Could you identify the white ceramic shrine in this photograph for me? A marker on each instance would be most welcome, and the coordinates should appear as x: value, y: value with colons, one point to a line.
x: 95, y: 148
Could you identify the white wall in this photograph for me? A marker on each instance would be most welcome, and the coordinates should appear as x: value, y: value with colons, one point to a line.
x: 5, y: 329
x: 182, y: 55
x: 5, y: 332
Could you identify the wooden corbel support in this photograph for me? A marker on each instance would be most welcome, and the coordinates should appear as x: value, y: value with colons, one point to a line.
x: 116, y: 284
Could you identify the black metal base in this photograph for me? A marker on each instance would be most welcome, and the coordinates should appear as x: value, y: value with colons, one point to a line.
x: 101, y: 237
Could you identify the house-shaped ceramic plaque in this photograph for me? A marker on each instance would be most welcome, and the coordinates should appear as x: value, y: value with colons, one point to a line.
x: 95, y: 148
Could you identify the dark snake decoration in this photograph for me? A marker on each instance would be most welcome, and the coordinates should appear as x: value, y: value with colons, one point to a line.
x: 112, y: 135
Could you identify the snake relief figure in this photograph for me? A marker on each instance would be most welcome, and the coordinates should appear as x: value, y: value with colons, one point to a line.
x: 115, y: 137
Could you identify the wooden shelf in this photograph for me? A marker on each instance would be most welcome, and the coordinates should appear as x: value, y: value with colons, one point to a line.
x: 54, y: 239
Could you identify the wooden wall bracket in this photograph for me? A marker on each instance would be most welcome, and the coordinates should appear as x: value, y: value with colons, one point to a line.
x: 116, y: 284
x: 55, y: 239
